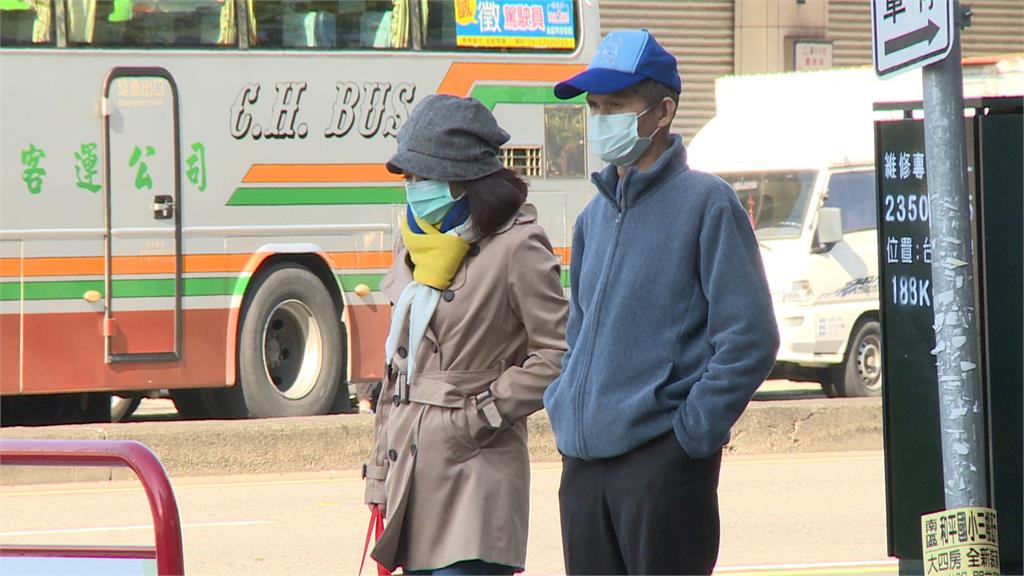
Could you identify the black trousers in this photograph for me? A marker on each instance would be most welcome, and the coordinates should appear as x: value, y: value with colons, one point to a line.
x: 650, y: 511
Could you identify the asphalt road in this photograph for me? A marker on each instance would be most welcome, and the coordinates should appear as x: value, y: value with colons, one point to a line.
x: 781, y: 515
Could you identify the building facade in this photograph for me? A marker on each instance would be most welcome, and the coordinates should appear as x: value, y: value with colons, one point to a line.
x: 713, y: 38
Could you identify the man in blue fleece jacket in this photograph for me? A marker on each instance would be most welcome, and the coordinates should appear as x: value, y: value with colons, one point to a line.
x: 670, y: 331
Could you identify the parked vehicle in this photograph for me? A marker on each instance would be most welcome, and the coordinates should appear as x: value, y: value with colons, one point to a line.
x: 194, y: 195
x: 798, y: 148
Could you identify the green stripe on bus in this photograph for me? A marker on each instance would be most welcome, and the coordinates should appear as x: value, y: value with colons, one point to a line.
x: 140, y: 288
x: 350, y: 281
x: 10, y: 291
x: 306, y: 196
x: 164, y: 287
x: 491, y: 96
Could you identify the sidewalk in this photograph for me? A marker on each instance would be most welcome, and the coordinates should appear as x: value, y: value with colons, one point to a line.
x: 342, y: 442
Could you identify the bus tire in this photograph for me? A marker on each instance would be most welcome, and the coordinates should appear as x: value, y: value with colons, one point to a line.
x: 290, y: 349
x: 861, y: 370
x: 193, y: 403
x: 344, y: 401
x: 122, y: 407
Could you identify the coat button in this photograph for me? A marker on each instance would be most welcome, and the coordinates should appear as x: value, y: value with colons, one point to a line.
x: 392, y: 455
x: 397, y: 400
x: 413, y: 449
x: 402, y: 352
x: 448, y: 295
x: 474, y: 249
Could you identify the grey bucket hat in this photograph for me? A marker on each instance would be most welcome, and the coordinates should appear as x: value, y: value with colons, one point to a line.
x: 449, y: 138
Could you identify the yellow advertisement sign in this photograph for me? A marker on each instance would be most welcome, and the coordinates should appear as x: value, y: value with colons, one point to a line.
x: 465, y: 12
x: 960, y: 542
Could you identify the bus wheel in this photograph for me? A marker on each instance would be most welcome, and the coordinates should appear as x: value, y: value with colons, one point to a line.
x: 290, y: 349
x: 122, y: 407
x: 862, y: 369
x: 193, y: 404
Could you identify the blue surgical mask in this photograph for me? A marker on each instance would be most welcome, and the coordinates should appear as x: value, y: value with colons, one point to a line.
x: 430, y: 200
x: 615, y: 138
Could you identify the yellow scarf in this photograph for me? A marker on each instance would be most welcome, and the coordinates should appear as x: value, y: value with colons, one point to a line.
x: 437, y: 256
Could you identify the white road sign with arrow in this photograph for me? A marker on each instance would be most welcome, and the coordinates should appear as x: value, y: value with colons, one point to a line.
x: 909, y: 34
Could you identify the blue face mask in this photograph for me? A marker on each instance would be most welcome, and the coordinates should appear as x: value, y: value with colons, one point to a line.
x: 430, y: 200
x: 615, y: 138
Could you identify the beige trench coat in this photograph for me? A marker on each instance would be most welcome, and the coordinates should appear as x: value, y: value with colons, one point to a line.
x: 454, y: 487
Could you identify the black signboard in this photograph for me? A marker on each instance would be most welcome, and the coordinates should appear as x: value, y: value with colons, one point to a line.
x: 910, y: 395
x: 1001, y: 146
x: 910, y: 405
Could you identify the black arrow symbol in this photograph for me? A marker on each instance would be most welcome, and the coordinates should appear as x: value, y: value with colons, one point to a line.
x: 926, y: 34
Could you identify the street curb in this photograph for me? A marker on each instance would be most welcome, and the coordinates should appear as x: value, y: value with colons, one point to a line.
x: 342, y: 442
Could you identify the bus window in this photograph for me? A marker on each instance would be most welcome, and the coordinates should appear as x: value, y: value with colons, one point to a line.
x: 151, y: 23
x: 565, y: 141
x: 499, y: 25
x: 329, y: 24
x: 26, y: 23
x: 440, y: 31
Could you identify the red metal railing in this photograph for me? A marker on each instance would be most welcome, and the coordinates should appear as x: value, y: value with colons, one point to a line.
x: 170, y: 559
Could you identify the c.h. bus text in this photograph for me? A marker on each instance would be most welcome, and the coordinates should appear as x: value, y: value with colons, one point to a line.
x: 373, y: 108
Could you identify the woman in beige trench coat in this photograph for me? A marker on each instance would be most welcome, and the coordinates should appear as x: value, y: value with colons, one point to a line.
x: 477, y: 335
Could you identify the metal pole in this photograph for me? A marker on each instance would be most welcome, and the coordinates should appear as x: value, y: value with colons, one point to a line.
x: 964, y: 462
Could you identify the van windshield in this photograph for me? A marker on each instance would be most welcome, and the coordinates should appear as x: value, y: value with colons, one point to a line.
x: 776, y: 202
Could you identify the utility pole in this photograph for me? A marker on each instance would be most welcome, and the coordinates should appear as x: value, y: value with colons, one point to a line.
x: 961, y: 408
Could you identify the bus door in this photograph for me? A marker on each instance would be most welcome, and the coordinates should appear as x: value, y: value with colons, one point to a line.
x: 143, y: 216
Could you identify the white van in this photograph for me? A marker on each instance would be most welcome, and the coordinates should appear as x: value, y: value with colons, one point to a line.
x: 798, y: 148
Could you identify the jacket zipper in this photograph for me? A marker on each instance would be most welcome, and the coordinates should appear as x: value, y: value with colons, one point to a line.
x: 602, y: 290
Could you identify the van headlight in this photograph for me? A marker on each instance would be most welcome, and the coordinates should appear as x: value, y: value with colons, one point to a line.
x: 798, y: 292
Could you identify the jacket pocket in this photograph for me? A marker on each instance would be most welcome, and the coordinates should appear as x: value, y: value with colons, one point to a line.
x: 660, y: 397
x: 468, y: 431
x: 458, y: 437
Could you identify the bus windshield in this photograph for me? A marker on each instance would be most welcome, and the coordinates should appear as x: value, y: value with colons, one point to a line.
x: 776, y: 202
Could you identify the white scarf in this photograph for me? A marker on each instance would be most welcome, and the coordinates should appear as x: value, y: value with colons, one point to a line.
x: 418, y: 302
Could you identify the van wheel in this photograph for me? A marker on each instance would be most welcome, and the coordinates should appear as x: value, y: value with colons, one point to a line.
x: 829, y: 385
x: 861, y: 371
x: 290, y: 349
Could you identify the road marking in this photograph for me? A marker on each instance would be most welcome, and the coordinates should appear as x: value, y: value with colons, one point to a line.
x: 178, y: 485
x: 132, y: 527
x: 819, y: 568
x: 810, y: 458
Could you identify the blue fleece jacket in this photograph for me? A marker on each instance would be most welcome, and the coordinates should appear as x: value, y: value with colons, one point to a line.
x: 670, y: 323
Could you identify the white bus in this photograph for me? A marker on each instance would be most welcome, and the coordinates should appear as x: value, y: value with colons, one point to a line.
x: 193, y: 196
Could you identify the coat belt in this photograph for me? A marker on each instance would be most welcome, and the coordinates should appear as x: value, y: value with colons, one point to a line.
x: 447, y: 389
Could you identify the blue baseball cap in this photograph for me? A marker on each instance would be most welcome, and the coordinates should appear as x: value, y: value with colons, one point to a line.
x: 623, y: 59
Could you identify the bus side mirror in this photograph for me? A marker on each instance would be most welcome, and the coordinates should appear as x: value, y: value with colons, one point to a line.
x: 830, y: 228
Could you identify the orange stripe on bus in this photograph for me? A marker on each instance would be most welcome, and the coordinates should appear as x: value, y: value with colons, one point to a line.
x: 195, y: 263
x: 462, y: 75
x: 94, y: 265
x: 10, y: 267
x: 360, y: 260
x: 319, y: 173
